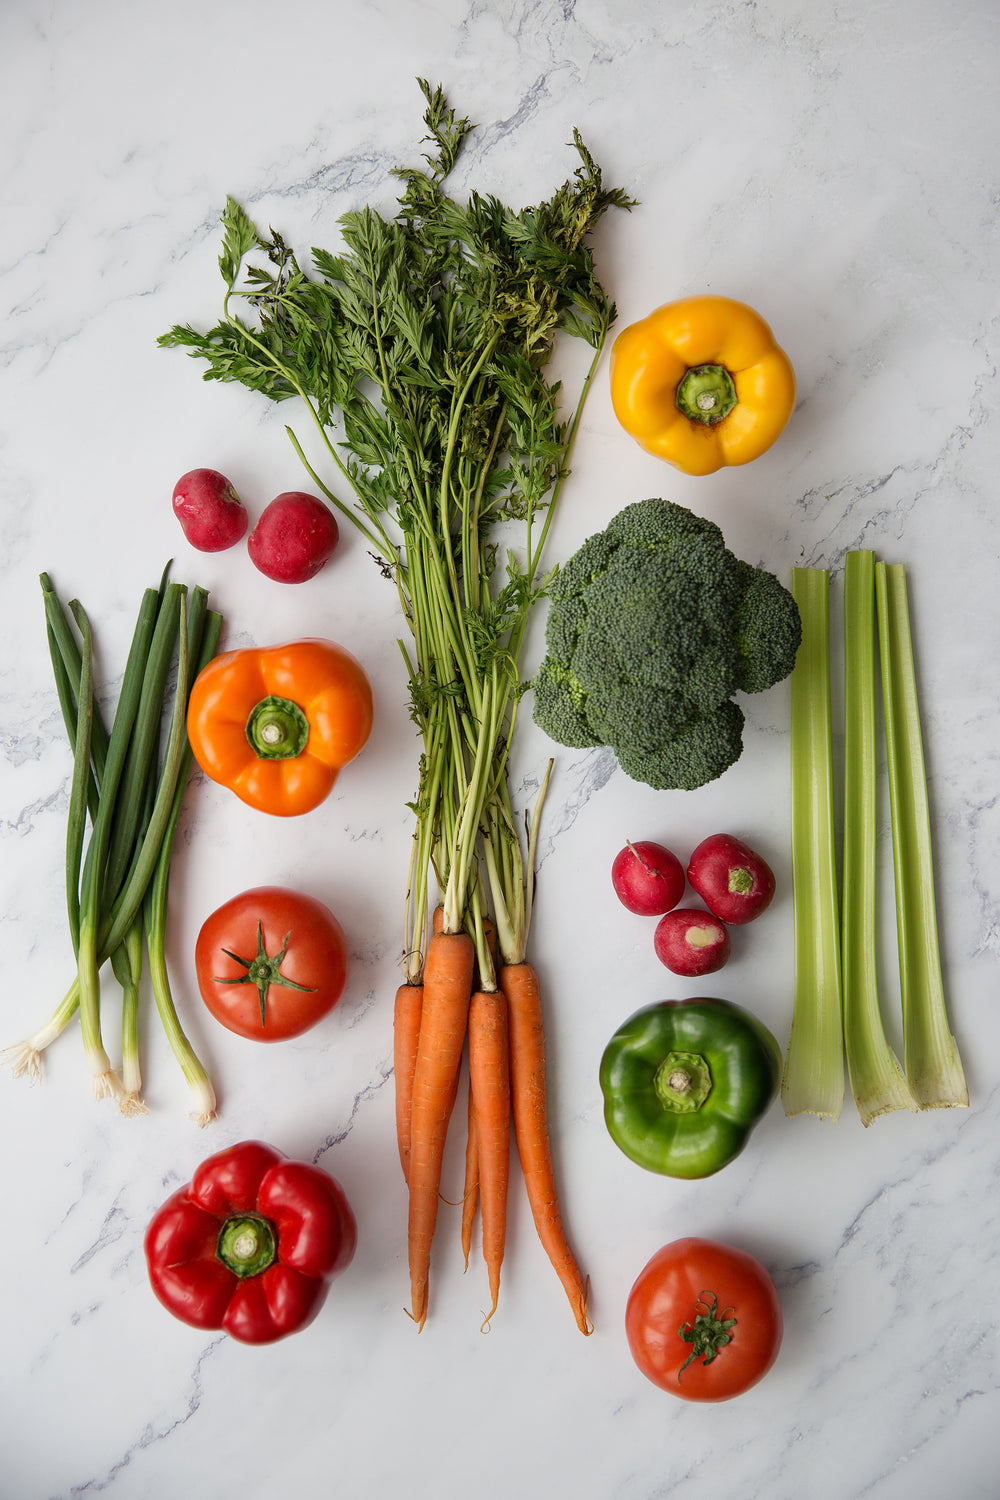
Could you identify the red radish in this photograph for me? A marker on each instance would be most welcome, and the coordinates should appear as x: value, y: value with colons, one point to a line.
x: 211, y: 513
x: 691, y: 942
x: 647, y: 878
x: 734, y: 882
x: 295, y: 536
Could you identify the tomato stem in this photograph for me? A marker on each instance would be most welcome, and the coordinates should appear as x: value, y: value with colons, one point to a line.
x: 264, y: 971
x: 709, y: 1332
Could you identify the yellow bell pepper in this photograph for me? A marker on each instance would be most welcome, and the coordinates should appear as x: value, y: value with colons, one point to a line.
x: 701, y: 383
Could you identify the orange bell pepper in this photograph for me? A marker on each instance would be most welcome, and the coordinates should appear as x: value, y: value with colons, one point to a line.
x: 701, y: 383
x: 277, y: 724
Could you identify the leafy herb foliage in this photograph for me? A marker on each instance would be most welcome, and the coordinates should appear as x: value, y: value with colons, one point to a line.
x: 423, y: 344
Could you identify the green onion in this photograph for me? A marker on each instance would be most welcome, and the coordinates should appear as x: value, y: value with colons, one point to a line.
x: 813, y: 1081
x: 933, y: 1066
x: 877, y: 1082
x: 204, y: 629
x: 127, y: 964
x: 134, y: 800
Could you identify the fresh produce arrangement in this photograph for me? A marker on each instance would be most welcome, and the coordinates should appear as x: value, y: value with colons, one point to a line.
x: 448, y: 314
x: 703, y: 1320
x: 837, y: 1011
x: 685, y: 1082
x: 277, y: 724
x: 213, y: 517
x: 271, y: 963
x: 131, y: 788
x: 250, y: 1244
x: 701, y: 383
x: 691, y: 942
x: 294, y: 538
x: 733, y: 881
x: 418, y: 357
x: 653, y: 625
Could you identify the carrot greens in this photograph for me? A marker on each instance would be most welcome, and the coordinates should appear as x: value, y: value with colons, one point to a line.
x: 418, y: 352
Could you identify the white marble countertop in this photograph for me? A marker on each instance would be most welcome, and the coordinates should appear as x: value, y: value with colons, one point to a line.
x: 835, y: 166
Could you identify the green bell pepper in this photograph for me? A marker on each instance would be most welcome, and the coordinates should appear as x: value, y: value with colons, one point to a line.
x: 685, y: 1082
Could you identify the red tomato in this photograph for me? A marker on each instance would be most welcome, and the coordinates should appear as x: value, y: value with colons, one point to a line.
x: 271, y: 963
x: 695, y: 1297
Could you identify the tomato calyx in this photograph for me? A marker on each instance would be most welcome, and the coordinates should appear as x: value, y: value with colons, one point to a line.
x: 709, y: 1332
x: 263, y: 971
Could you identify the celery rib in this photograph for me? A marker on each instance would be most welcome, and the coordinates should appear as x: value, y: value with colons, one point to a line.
x: 877, y: 1081
x: 931, y: 1059
x: 813, y: 1081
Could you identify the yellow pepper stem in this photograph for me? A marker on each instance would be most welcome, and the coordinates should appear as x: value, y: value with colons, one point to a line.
x: 706, y: 394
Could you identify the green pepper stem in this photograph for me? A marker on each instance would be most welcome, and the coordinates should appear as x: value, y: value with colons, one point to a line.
x: 683, y: 1081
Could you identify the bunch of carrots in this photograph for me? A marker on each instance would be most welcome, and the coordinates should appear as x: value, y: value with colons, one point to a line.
x: 419, y: 353
x: 493, y: 1010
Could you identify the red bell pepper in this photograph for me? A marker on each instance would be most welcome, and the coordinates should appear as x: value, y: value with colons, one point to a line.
x: 250, y: 1244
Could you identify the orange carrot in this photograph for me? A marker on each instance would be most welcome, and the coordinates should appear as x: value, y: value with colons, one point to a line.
x: 519, y: 983
x: 405, y: 1031
x: 444, y: 1017
x: 489, y: 1091
x: 470, y: 1195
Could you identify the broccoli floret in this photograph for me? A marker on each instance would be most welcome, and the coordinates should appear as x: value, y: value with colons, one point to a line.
x: 701, y: 752
x: 559, y: 707
x: 653, y: 625
x: 768, y: 631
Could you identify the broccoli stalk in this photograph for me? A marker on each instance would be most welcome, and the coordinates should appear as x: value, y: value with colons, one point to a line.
x: 653, y: 625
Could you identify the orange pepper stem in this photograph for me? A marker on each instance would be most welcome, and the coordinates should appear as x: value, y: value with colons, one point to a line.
x: 277, y: 729
x: 706, y: 394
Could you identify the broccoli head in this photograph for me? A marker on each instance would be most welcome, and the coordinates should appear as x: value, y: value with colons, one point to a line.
x: 653, y: 625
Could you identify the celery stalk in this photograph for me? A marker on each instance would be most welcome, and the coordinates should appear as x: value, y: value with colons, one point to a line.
x: 813, y: 1081
x: 877, y: 1082
x: 933, y: 1066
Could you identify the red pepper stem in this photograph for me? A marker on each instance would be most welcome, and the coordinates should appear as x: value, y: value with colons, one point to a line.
x: 247, y: 1244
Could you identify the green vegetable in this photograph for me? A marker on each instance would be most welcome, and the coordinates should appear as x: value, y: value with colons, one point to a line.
x: 933, y: 1066
x: 419, y: 352
x: 653, y: 626
x: 685, y: 1082
x: 132, y: 794
x: 876, y: 1080
x: 813, y: 1081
